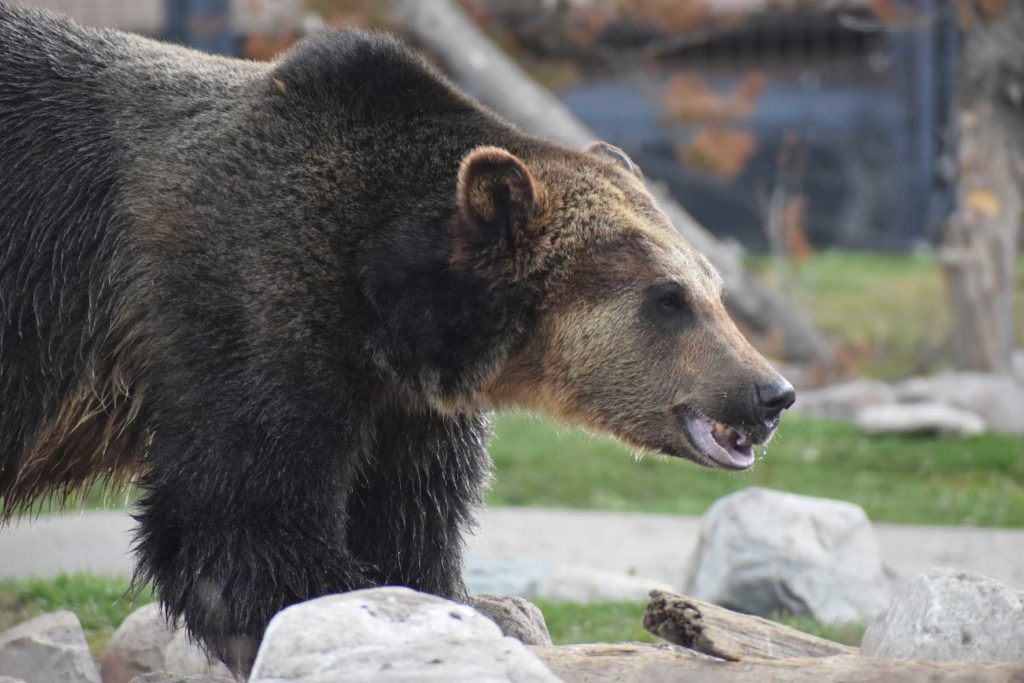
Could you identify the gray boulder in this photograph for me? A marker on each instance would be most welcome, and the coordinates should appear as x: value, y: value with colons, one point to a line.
x: 8, y: 679
x: 390, y: 634
x: 997, y: 399
x: 763, y: 551
x: 920, y: 418
x: 950, y: 615
x: 516, y: 617
x: 1017, y: 364
x: 844, y: 401
x: 48, y: 649
x: 145, y: 642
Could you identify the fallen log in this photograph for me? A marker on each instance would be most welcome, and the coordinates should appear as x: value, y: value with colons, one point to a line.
x: 485, y: 71
x: 614, y: 662
x: 722, y: 633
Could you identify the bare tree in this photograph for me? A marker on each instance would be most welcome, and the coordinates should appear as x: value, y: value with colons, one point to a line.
x: 978, y: 251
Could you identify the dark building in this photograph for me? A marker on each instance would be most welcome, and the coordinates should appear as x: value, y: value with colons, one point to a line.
x: 823, y: 107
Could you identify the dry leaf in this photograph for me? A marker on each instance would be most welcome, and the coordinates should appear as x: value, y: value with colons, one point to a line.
x: 984, y: 202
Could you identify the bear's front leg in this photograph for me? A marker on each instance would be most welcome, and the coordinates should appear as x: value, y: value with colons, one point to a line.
x: 244, y: 514
x: 416, y: 495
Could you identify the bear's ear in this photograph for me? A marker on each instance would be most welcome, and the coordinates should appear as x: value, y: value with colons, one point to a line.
x: 500, y: 204
x: 611, y: 152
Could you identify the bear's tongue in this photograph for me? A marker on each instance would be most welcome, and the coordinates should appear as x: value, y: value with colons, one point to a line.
x: 725, y: 445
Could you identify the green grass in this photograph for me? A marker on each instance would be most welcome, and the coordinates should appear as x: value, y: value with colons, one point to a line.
x: 887, y: 312
x: 910, y: 480
x: 101, y: 603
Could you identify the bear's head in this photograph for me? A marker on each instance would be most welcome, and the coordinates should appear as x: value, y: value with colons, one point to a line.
x: 630, y: 335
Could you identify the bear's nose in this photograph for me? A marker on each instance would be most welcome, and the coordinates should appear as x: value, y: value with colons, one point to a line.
x: 774, y: 397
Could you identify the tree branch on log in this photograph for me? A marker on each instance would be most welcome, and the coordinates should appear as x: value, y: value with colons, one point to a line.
x: 728, y: 635
x: 486, y: 72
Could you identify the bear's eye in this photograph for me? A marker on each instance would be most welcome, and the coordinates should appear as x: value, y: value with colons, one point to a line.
x: 665, y: 305
x: 669, y: 302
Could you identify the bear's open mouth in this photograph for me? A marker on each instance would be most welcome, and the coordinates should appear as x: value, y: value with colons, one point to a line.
x: 719, y: 443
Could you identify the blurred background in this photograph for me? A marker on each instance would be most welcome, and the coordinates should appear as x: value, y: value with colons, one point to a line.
x: 854, y: 169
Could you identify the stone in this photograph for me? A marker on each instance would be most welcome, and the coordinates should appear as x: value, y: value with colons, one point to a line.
x: 164, y: 677
x: 48, y: 649
x: 8, y: 679
x: 390, y: 634
x: 920, y: 418
x: 145, y: 642
x: 843, y: 401
x: 1017, y: 364
x: 516, y: 617
x: 997, y: 399
x: 568, y: 583
x: 762, y: 552
x: 947, y: 615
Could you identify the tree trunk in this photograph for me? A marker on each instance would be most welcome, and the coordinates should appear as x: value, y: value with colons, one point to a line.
x: 978, y: 252
x: 487, y: 73
x: 615, y: 662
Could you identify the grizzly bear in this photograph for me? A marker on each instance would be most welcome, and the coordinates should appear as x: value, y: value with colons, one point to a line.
x: 285, y: 298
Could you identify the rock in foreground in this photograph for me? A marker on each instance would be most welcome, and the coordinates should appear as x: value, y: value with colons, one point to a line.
x: 48, y: 649
x: 763, y: 551
x: 516, y: 617
x: 951, y: 615
x: 144, y: 643
x: 391, y: 634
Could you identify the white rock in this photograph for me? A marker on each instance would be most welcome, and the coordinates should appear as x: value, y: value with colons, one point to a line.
x: 763, y: 551
x: 516, y: 617
x: 843, y: 401
x: 390, y: 634
x: 951, y: 615
x: 145, y: 643
x: 997, y: 399
x: 567, y: 583
x: 8, y: 679
x: 919, y: 418
x: 48, y: 649
x: 1017, y: 364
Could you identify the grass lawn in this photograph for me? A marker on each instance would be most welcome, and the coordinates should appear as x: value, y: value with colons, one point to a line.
x: 908, y: 480
x: 102, y: 603
x: 911, y: 480
x: 882, y: 310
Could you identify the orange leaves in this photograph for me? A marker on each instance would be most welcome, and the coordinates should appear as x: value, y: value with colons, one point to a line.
x: 687, y: 97
x: 716, y: 147
x: 721, y: 151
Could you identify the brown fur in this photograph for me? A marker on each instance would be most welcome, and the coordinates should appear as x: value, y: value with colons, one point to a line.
x: 590, y: 362
x: 94, y: 436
